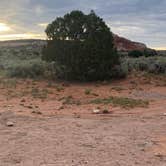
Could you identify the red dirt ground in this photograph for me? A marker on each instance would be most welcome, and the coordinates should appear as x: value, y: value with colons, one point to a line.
x: 48, y: 132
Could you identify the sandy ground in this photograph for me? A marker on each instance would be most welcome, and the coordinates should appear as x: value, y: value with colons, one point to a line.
x: 48, y: 132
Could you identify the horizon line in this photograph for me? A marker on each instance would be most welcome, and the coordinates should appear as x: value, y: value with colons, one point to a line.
x: 17, y: 39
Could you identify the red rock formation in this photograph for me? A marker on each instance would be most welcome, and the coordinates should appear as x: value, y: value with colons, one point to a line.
x: 126, y: 45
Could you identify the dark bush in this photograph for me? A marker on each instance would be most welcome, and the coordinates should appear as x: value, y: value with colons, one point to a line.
x: 135, y: 53
x: 82, y: 47
x: 1, y: 53
x: 149, y: 52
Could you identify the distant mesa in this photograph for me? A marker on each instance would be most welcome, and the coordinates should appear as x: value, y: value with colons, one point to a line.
x: 22, y: 42
x: 122, y: 44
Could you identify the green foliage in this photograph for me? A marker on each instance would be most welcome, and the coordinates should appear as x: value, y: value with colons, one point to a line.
x: 59, y: 88
x: 138, y: 53
x: 82, y: 47
x: 29, y: 69
x: 149, y: 52
x: 11, y: 56
x: 120, y: 70
x: 87, y: 91
x: 135, y: 53
x: 1, y: 53
x: 8, y: 83
x: 37, y: 93
x: 122, y: 102
x: 69, y: 27
x: 24, y: 62
x: 156, y: 65
x: 69, y: 100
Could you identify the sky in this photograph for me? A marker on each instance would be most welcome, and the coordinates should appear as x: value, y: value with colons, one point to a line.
x: 138, y: 20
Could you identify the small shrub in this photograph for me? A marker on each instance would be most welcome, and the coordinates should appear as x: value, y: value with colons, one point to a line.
x: 156, y: 65
x: 118, y: 88
x: 149, y: 52
x: 37, y: 93
x: 9, y: 83
x: 105, y: 111
x: 59, y: 88
x: 122, y: 102
x: 1, y: 53
x: 29, y: 69
x: 121, y: 70
x: 69, y: 100
x: 88, y: 91
x: 135, y: 54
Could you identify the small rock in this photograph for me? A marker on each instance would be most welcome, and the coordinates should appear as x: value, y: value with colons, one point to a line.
x: 22, y: 104
x: 36, y: 112
x: 158, y: 155
x: 23, y: 101
x: 105, y: 111
x: 96, y: 111
x: 30, y: 107
x: 61, y: 108
x: 77, y: 116
x: 10, y: 124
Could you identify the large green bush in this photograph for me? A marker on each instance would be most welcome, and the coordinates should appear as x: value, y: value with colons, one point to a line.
x: 82, y: 47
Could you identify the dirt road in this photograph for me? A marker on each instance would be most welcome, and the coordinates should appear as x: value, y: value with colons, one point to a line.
x: 127, y: 140
x: 74, y: 136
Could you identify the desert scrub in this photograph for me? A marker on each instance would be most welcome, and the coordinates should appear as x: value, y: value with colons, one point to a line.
x: 8, y: 83
x: 28, y: 69
x: 69, y: 100
x: 121, y: 70
x: 59, y: 88
x: 22, y: 61
x: 155, y: 65
x: 122, y: 102
x: 41, y: 94
x: 118, y: 88
x: 88, y: 91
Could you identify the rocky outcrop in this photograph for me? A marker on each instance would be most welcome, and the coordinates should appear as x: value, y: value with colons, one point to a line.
x: 123, y: 44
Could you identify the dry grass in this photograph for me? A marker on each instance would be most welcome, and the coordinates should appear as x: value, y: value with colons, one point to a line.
x: 122, y: 102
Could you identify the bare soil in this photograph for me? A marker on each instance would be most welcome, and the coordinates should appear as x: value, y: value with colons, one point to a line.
x: 54, y: 123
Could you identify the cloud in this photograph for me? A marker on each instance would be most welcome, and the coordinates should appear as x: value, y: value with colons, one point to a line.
x: 43, y: 24
x: 4, y: 28
x: 139, y: 20
x: 21, y: 36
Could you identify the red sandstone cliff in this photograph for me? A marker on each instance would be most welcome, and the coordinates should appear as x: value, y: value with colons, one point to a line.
x: 124, y: 44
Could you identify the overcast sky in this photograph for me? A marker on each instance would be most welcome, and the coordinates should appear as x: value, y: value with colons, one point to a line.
x: 138, y: 20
